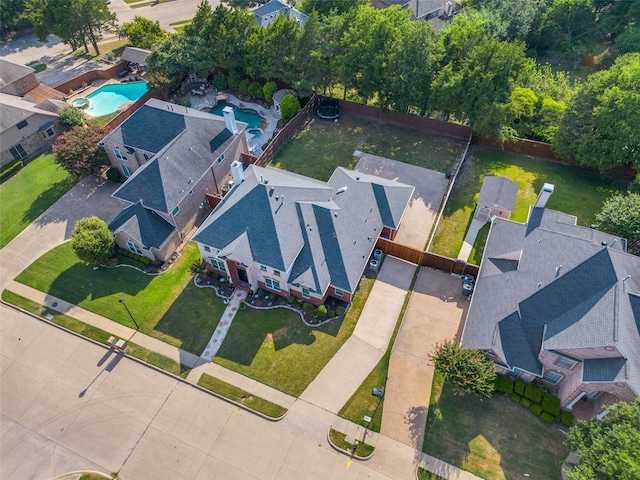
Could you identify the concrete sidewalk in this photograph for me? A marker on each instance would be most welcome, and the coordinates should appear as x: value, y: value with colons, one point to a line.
x: 470, y: 238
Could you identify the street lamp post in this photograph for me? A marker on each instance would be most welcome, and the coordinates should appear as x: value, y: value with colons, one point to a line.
x: 129, y: 312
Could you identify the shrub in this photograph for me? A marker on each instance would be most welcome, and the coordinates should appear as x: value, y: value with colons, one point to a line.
x: 536, y: 409
x: 519, y: 386
x: 243, y: 87
x: 260, y: 292
x: 272, y: 296
x: 219, y: 81
x: 291, y: 299
x: 198, y: 267
x: 307, y: 307
x: 551, y: 404
x: 321, y: 310
x: 255, y: 90
x: 92, y: 241
x: 566, y: 418
x: 268, y: 90
x: 526, y: 403
x: 185, y: 102
x: 503, y: 384
x: 289, y: 107
x: 71, y: 116
x: 114, y: 175
x: 557, y: 418
x: 331, y: 313
x: 533, y: 392
x: 515, y: 397
x: 77, y: 150
x: 233, y: 79
x: 340, y: 310
x: 10, y: 169
x: 546, y: 417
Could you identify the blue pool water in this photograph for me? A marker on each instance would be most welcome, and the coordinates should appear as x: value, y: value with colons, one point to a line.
x: 107, y: 99
x: 246, y: 115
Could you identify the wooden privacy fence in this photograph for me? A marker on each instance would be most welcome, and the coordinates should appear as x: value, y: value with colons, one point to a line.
x: 90, y: 76
x: 426, y: 259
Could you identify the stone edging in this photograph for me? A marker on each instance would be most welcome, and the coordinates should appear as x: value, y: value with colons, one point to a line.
x: 345, y: 452
x: 215, y: 290
x: 141, y: 362
x: 315, y: 325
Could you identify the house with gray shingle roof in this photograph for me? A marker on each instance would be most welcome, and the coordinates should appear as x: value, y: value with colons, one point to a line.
x: 173, y: 158
x: 436, y: 12
x: 497, y: 198
x: 267, y: 13
x: 294, y: 235
x: 559, y: 303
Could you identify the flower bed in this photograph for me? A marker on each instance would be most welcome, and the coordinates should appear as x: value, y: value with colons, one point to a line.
x: 220, y: 283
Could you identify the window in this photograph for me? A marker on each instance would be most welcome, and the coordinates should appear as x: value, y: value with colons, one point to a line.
x: 133, y: 247
x: 221, y: 158
x: 21, y: 124
x: 566, y: 362
x: 206, y: 249
x: 339, y: 292
x: 552, y: 377
x: 18, y: 152
x: 305, y: 292
x: 126, y: 170
x: 263, y: 268
x: 175, y: 211
x: 218, y: 264
x: 276, y: 273
x: 120, y: 155
x: 49, y: 132
x: 273, y: 284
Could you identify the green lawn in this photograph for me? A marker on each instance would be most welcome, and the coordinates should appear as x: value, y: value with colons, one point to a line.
x: 339, y: 439
x: 495, y: 438
x: 322, y: 146
x: 26, y: 195
x: 167, y: 306
x: 276, y: 348
x: 577, y: 191
x: 426, y: 475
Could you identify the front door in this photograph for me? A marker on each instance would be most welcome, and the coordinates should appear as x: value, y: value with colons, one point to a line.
x: 242, y: 275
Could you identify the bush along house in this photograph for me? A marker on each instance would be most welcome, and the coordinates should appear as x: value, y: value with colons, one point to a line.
x: 293, y: 235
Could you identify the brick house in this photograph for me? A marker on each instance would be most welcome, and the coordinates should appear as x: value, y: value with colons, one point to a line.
x: 294, y: 235
x: 173, y: 157
x: 560, y: 304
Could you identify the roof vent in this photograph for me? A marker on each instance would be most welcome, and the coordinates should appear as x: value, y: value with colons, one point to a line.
x: 604, y: 244
x: 335, y: 214
x: 341, y: 190
x: 558, y: 268
x: 358, y: 177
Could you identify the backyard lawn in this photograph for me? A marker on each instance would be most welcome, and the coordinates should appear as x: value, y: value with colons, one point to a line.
x: 495, y: 438
x: 26, y: 195
x: 577, y: 191
x: 322, y: 146
x: 276, y: 348
x: 168, y: 306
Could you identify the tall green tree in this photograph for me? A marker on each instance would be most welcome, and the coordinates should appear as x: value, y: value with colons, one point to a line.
x: 620, y: 215
x: 13, y: 15
x: 142, y: 32
x: 92, y: 241
x: 509, y: 19
x: 325, y: 8
x: 608, y: 447
x: 600, y: 126
x: 77, y: 22
x: 568, y: 25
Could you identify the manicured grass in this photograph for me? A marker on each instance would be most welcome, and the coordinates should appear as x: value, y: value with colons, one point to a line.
x: 102, y: 120
x: 577, y: 192
x: 427, y: 475
x: 322, y: 146
x: 241, y: 396
x: 95, y: 333
x: 276, y: 348
x: 339, y: 440
x: 475, y: 256
x: 26, y: 195
x: 166, y: 306
x: 494, y: 438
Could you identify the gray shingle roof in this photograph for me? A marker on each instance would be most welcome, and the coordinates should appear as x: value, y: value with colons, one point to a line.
x: 604, y: 370
x: 135, y: 55
x: 295, y: 222
x: 498, y: 191
x: 277, y: 7
x: 142, y: 224
x: 10, y: 72
x: 14, y: 109
x: 567, y: 292
x: 151, y: 129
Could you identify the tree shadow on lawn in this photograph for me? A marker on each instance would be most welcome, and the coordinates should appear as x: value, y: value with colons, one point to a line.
x: 192, y: 318
x: 496, y: 438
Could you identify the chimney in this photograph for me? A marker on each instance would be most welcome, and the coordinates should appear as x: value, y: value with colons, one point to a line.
x: 543, y: 196
x: 237, y: 171
x: 230, y: 120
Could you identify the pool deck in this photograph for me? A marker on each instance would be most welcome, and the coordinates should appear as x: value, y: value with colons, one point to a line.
x: 208, y: 101
x: 95, y: 85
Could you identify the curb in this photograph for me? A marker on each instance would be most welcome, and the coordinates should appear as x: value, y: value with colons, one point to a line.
x: 346, y: 452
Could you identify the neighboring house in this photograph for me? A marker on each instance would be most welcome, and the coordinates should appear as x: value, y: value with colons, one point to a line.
x: 173, y: 157
x: 135, y: 56
x: 436, y: 12
x: 268, y: 12
x: 497, y: 198
x: 559, y: 303
x: 26, y: 129
x: 16, y: 79
x: 294, y: 235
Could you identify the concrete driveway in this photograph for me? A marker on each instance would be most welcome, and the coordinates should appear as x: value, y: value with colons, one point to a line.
x: 91, y: 196
x: 430, y: 188
x: 436, y: 311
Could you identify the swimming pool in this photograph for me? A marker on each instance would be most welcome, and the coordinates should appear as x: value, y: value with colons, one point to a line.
x: 108, y: 98
x: 246, y: 115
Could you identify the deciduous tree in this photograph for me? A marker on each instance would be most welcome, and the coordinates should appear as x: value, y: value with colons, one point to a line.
x: 142, y: 32
x: 71, y: 116
x: 78, y: 152
x: 620, y: 215
x: 92, y: 241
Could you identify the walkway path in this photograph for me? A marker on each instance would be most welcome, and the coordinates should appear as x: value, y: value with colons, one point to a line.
x: 470, y: 239
x: 221, y: 330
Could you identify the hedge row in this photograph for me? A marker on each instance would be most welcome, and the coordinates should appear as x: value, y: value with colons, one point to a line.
x: 135, y: 256
x: 532, y: 396
x: 10, y: 169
